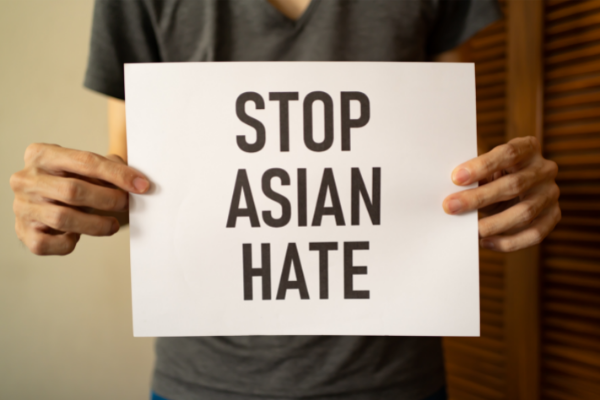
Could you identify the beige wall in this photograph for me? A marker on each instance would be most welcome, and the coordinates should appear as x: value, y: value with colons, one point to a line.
x: 65, y: 322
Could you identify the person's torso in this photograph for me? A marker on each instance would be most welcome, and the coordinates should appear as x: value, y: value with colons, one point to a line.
x: 290, y: 366
x: 329, y: 30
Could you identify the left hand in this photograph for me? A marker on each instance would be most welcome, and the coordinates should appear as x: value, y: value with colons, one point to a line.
x: 517, y: 196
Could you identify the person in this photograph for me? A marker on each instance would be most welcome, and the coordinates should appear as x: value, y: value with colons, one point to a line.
x: 64, y: 193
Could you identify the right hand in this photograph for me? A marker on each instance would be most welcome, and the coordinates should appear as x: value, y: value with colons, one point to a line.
x: 56, y: 189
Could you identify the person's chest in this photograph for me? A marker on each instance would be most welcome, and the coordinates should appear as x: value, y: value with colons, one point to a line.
x: 328, y: 30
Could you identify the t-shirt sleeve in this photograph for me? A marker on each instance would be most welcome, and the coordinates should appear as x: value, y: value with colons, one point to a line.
x: 456, y: 21
x: 122, y: 32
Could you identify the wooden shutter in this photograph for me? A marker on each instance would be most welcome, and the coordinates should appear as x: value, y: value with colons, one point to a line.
x: 570, y: 261
x: 568, y: 359
x: 476, y: 367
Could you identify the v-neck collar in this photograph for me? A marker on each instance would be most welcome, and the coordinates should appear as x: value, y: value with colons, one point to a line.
x: 288, y: 21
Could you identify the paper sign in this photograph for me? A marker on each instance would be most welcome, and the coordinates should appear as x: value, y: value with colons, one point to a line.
x: 301, y: 199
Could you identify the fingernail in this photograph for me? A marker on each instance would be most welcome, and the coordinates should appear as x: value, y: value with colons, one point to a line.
x: 141, y: 184
x: 462, y: 176
x: 487, y: 244
x: 115, y: 228
x: 454, y: 206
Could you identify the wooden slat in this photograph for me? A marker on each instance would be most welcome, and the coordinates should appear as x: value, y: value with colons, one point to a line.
x: 490, y: 79
x: 572, y: 100
x: 473, y: 351
x: 571, y: 294
x: 573, y: 115
x: 574, y: 129
x: 553, y: 394
x: 567, y: 145
x: 491, y: 92
x: 491, y: 268
x: 588, y: 173
x: 492, y: 331
x: 570, y: 71
x: 568, y: 250
x: 472, y: 361
x: 556, y: 3
x: 571, y: 25
x: 475, y: 388
x: 573, y: 85
x: 474, y: 374
x: 491, y: 256
x: 490, y: 318
x: 492, y: 306
x: 491, y: 281
x: 562, y: 42
x: 489, y: 54
x: 580, y: 221
x: 566, y: 388
x: 585, y: 327
x: 579, y: 281
x: 492, y: 117
x: 582, y: 206
x: 488, y: 344
x: 580, y: 387
x: 588, y: 51
x: 572, y: 369
x: 578, y: 159
x: 566, y: 264
x: 572, y: 310
x: 490, y: 66
x: 576, y: 235
x: 583, y: 357
x: 574, y: 7
x: 488, y: 143
x: 491, y: 130
x: 493, y: 294
x: 579, y: 341
x: 493, y: 104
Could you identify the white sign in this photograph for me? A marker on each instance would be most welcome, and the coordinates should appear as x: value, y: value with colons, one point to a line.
x: 301, y: 199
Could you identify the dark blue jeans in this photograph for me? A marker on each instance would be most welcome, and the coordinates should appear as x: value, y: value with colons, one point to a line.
x: 439, y: 395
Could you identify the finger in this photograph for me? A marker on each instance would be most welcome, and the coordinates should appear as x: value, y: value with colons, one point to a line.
x: 529, y: 236
x: 76, y: 192
x: 521, y: 214
x: 506, y: 188
x: 499, y: 158
x: 43, y: 244
x: 116, y: 158
x: 55, y: 158
x: 67, y: 219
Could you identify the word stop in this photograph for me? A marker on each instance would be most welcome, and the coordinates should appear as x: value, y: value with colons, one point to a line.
x: 284, y: 99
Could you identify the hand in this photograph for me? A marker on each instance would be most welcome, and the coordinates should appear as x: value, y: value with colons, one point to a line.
x: 517, y: 196
x: 57, y: 188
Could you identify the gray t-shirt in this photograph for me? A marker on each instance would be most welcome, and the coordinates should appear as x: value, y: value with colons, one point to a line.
x: 284, y: 367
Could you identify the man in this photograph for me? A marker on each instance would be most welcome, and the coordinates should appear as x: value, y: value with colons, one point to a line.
x: 58, y: 186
